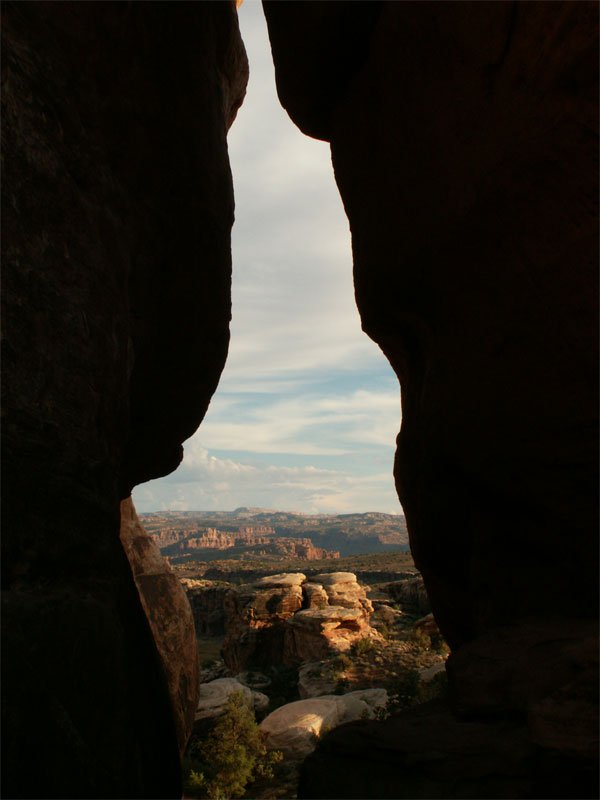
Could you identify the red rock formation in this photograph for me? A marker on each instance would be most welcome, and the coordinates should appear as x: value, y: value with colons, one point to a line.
x: 117, y: 209
x: 285, y: 619
x: 463, y: 143
x: 170, y: 618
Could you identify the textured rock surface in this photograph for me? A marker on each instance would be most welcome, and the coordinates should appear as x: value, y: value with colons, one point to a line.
x: 317, y: 633
x: 411, y: 594
x: 213, y: 697
x: 343, y: 589
x: 430, y: 753
x: 296, y: 727
x: 287, y: 619
x: 254, y: 620
x: 170, y: 617
x: 208, y: 606
x: 463, y: 138
x: 314, y: 681
x: 117, y: 208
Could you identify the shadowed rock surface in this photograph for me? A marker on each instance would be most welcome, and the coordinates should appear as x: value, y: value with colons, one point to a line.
x: 117, y: 209
x: 463, y: 139
x: 170, y: 617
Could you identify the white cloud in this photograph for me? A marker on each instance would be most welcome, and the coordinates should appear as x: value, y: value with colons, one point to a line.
x: 303, y: 424
x: 210, y: 483
x: 302, y: 382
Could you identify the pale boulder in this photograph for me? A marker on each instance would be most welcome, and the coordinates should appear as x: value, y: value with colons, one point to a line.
x: 215, y: 694
x: 296, y: 727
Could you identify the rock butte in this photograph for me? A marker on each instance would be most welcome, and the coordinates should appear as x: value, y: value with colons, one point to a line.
x: 462, y: 138
x: 285, y: 619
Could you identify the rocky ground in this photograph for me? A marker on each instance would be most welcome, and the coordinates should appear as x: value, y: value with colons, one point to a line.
x: 312, y: 653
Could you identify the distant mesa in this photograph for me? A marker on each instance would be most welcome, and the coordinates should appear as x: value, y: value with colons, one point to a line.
x: 255, y: 531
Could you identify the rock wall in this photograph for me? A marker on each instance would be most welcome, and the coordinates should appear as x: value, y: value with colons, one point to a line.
x: 117, y: 209
x: 463, y: 144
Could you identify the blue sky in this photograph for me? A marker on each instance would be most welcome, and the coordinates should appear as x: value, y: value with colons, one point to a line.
x: 307, y: 410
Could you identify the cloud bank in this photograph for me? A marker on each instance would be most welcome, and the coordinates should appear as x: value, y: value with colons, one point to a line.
x: 307, y: 410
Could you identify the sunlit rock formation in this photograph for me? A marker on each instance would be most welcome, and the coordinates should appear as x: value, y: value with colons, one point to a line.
x: 296, y: 727
x: 214, y: 696
x: 117, y: 209
x: 285, y: 619
x: 463, y: 144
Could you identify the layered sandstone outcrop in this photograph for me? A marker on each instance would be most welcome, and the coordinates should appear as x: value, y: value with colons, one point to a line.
x: 316, y: 633
x: 117, y: 209
x: 285, y: 619
x: 254, y: 620
x: 463, y: 138
x: 344, y: 590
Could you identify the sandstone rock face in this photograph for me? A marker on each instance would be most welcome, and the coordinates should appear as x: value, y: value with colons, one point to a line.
x: 296, y: 727
x: 208, y: 606
x: 465, y: 164
x: 117, y: 210
x: 316, y: 633
x: 315, y: 595
x: 170, y: 618
x: 254, y: 617
x: 287, y: 619
x: 343, y: 589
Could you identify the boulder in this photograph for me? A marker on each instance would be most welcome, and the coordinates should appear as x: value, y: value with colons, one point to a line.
x: 214, y: 695
x: 343, y: 589
x: 295, y: 728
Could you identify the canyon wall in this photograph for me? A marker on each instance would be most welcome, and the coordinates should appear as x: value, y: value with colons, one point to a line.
x: 117, y: 210
x: 463, y: 140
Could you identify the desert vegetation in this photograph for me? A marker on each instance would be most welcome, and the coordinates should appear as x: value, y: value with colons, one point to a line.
x: 345, y: 649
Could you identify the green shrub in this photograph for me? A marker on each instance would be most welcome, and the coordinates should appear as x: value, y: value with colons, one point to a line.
x: 363, y: 646
x: 421, y: 639
x: 404, y: 693
x: 341, y: 662
x: 232, y: 755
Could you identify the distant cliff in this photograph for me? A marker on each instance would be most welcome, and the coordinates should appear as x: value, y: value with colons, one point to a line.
x: 209, y: 543
x: 347, y: 534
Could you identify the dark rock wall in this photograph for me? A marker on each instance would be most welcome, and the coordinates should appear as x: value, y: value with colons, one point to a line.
x: 463, y: 139
x: 117, y: 209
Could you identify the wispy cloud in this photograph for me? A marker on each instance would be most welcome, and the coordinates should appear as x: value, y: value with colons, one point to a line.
x: 211, y: 483
x: 308, y: 409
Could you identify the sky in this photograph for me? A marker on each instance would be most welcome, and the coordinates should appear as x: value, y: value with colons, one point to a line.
x: 308, y: 409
